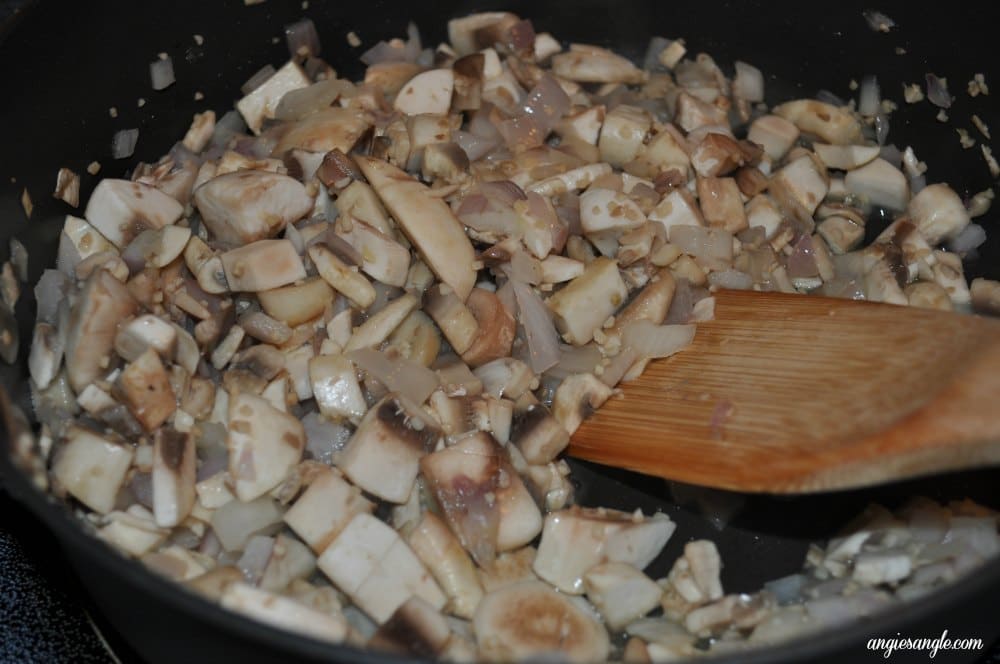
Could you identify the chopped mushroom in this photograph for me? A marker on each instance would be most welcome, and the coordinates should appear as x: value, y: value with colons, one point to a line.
x: 833, y: 125
x: 938, y: 213
x: 262, y: 102
x: 92, y: 468
x: 451, y: 566
x: 368, y: 561
x: 586, y: 302
x: 325, y: 508
x: 415, y: 628
x: 592, y: 64
x: 576, y: 539
x: 120, y: 210
x: 264, y: 445
x: 245, y: 206
x: 284, y: 612
x: 173, y: 476
x: 144, y: 387
x: 262, y: 265
x: 529, y: 619
x: 621, y: 593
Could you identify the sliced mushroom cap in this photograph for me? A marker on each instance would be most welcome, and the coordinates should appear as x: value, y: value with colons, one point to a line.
x: 92, y: 468
x: 583, y: 305
x: 325, y: 130
x: 444, y: 556
x: 938, y: 213
x: 283, y: 612
x: 382, y: 258
x: 335, y: 387
x: 374, y: 566
x: 591, y: 64
x: 832, y: 124
x: 416, y: 628
x: 428, y: 223
x: 529, y: 619
x: 484, y: 500
x: 538, y: 435
x: 382, y: 456
x: 103, y: 303
x: 144, y: 387
x: 262, y: 265
x: 496, y: 328
x: 576, y: 539
x: 245, y: 206
x: 621, y: 593
x: 428, y: 92
x: 325, y: 508
x: 262, y: 103
x: 456, y: 321
x: 120, y: 210
x: 264, y: 445
x: 173, y: 476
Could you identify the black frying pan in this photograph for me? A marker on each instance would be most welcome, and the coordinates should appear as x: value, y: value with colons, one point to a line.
x: 63, y: 64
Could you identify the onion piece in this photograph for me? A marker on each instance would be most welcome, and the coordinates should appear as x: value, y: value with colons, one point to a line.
x: 161, y: 73
x: 652, y: 341
x: 255, y: 557
x: 303, y: 41
x: 398, y: 374
x: 801, y: 263
x: 539, y: 330
x: 651, y: 61
x: 230, y: 124
x: 971, y: 237
x: 123, y: 143
x: 881, y: 128
x: 869, y: 97
x: 546, y: 103
x: 259, y: 78
x: 748, y: 83
x: 296, y: 104
x: 475, y: 147
x: 325, y: 438
x: 937, y: 91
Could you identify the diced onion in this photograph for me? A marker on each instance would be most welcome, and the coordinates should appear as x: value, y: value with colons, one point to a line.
x: 971, y: 237
x: 123, y: 143
x: 398, y: 374
x: 733, y: 279
x: 543, y: 340
x: 937, y: 92
x: 303, y: 41
x: 259, y: 78
x: 161, y: 73
x: 652, y: 341
x: 748, y: 83
x: 869, y: 97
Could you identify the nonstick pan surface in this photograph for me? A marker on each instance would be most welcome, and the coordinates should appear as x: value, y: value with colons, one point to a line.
x: 63, y: 65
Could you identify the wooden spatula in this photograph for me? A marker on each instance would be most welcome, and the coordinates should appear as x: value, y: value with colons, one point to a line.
x: 788, y: 393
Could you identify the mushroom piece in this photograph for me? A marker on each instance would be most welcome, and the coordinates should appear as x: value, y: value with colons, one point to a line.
x: 371, y: 563
x: 538, y: 435
x: 529, y: 619
x: 359, y: 201
x: 284, y: 612
x: 456, y: 321
x: 845, y: 157
x: 800, y: 186
x: 938, y: 213
x: 773, y: 133
x: 722, y: 203
x: 341, y: 276
x: 428, y: 93
x: 833, y: 125
x: 695, y: 575
x: 948, y: 274
x: 577, y: 397
x: 134, y: 531
x: 928, y: 295
x: 442, y: 553
x: 623, y: 134
x: 678, y: 208
x: 880, y: 183
x: 290, y: 560
x: 262, y: 265
x: 621, y: 593
x: 694, y: 113
x: 416, y: 339
x: 382, y: 258
x: 144, y: 332
x: 173, y: 476
x: 427, y: 221
x: 144, y: 387
x: 584, y: 63
x: 840, y: 233
x: 605, y: 212
x: 390, y: 76
x: 47, y: 347
x: 505, y: 377
x: 985, y: 294
x: 264, y: 445
x: 572, y: 180
x: 483, y: 499
x: 325, y: 508
x: 325, y: 130
x: 335, y: 387
x: 120, y: 210
x: 246, y: 206
x: 584, y: 125
x: 416, y: 628
x: 379, y: 326
x: 383, y: 455
x: 92, y: 468
x: 297, y: 303
x: 78, y: 241
x: 262, y: 102
x: 583, y: 305
x: 576, y: 539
